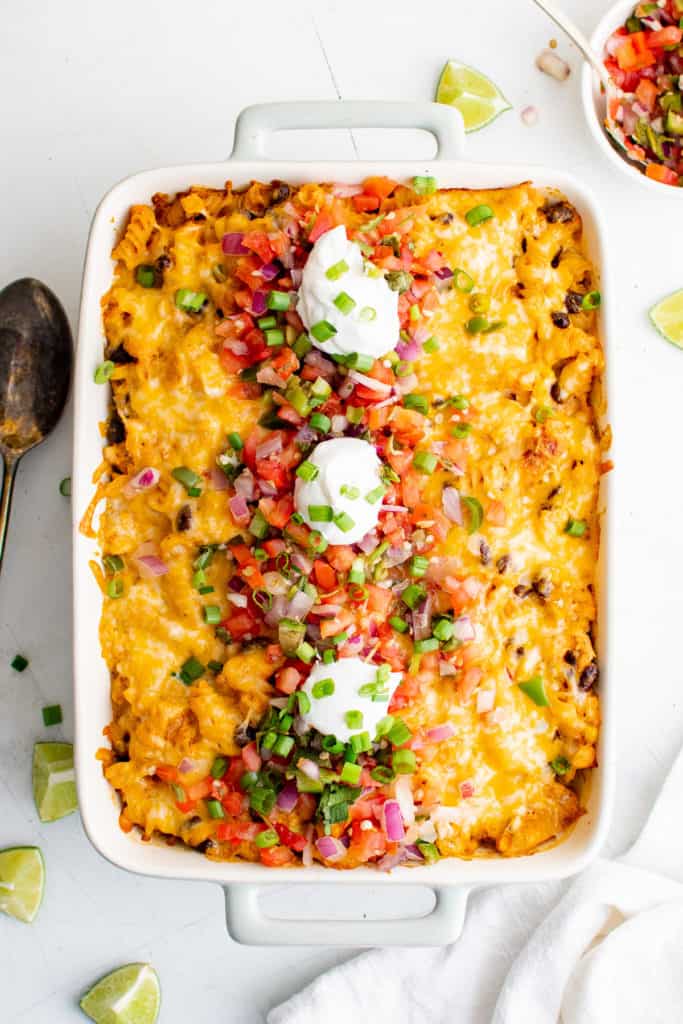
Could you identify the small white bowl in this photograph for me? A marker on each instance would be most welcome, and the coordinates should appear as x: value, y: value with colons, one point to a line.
x: 594, y: 100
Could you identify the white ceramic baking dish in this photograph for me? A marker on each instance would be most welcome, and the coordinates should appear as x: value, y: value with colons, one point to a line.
x: 451, y: 880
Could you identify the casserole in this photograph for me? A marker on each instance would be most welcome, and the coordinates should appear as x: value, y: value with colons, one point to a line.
x: 451, y: 878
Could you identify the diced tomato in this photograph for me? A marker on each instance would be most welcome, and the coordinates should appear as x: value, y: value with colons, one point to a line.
x: 634, y: 53
x: 379, y: 186
x: 239, y: 624
x: 276, y: 856
x: 274, y: 547
x: 274, y: 653
x: 647, y: 93
x: 199, y: 790
x: 340, y: 556
x: 325, y: 575
x: 380, y: 599
x: 299, y: 533
x: 287, y: 680
x: 468, y: 682
x: 405, y: 694
x: 186, y: 805
x: 232, y: 802
x: 238, y: 831
x: 323, y: 222
x: 378, y: 418
x: 289, y: 413
x: 285, y: 363
x: 381, y: 373
x: 390, y: 650
x: 400, y: 461
x: 277, y: 512
x: 439, y: 524
x: 167, y: 772
x: 330, y: 627
x: 259, y: 243
x: 408, y: 425
x: 294, y: 840
x: 495, y: 513
x: 365, y: 204
x: 251, y: 757
x: 669, y: 36
x: 660, y: 173
x: 367, y: 843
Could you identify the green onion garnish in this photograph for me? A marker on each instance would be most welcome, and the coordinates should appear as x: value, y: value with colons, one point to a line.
x: 360, y: 742
x: 115, y: 588
x: 354, y: 719
x: 458, y: 402
x: 384, y: 726
x: 414, y: 312
x: 339, y: 638
x: 305, y: 652
x: 461, y: 430
x: 351, y: 773
x: 424, y: 185
x: 144, y: 275
x: 542, y: 413
x: 413, y: 595
x: 267, y: 838
x: 430, y: 643
x: 65, y: 487
x: 476, y: 513
x: 431, y: 345
x: 417, y: 402
x: 535, y: 690
x: 479, y: 303
x: 367, y: 314
x: 403, y: 762
x: 349, y: 492
x: 319, y: 421
x: 307, y: 470
x: 320, y: 513
x: 212, y: 614
x: 215, y: 809
x: 262, y: 800
x: 418, y: 565
x: 191, y: 670
x: 219, y: 768
x: 478, y: 215
x: 104, y: 372
x: 329, y: 656
x: 560, y: 765
x: 344, y: 303
x: 375, y: 495
x: 354, y: 413
x: 476, y: 325
x: 323, y: 688
x: 317, y: 542
x: 323, y: 331
x: 283, y: 746
x: 334, y: 272
x: 443, y: 630
x: 52, y: 714
x: 575, y: 527
x: 425, y: 462
x: 190, y: 301
x: 383, y: 773
x: 278, y: 300
x: 344, y: 522
x: 258, y: 527
x: 320, y: 388
x: 462, y: 280
x: 398, y: 624
x: 112, y: 563
x: 190, y: 480
x: 19, y: 663
x: 266, y: 322
x: 215, y: 666
x: 430, y: 851
x: 591, y: 301
x: 274, y: 337
x: 235, y: 442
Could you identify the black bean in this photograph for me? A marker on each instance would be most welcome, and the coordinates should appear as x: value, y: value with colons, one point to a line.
x: 444, y: 218
x: 184, y: 519
x: 543, y: 587
x: 589, y: 676
x: 519, y: 651
x: 244, y: 734
x: 121, y: 357
x: 556, y: 393
x: 205, y: 845
x: 503, y: 563
x: 280, y: 192
x: 558, y: 213
x: 484, y: 552
x: 163, y: 263
x: 521, y: 590
x: 116, y: 430
x: 555, y: 261
x: 560, y: 319
x: 570, y: 657
x: 572, y: 301
x: 525, y: 245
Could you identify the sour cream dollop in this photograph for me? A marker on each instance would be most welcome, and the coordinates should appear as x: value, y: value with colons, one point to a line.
x: 371, y: 327
x: 344, y: 497
x: 327, y: 714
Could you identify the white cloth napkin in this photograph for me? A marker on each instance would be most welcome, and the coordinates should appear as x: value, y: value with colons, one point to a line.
x: 609, y: 952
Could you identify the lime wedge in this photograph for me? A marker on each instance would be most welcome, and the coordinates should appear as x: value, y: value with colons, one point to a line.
x: 22, y: 880
x: 129, y: 995
x: 473, y: 94
x: 667, y: 316
x: 54, y: 785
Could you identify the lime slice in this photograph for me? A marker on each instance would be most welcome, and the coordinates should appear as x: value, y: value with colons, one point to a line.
x: 667, y: 316
x: 22, y: 880
x: 129, y: 995
x: 54, y: 785
x: 473, y: 94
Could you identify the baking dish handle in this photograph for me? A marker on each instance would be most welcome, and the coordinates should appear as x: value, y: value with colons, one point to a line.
x: 255, y: 124
x: 249, y: 925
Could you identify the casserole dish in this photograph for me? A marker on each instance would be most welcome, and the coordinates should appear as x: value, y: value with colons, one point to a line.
x: 451, y: 879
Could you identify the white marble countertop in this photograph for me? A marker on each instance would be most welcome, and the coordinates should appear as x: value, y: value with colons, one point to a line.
x: 92, y: 92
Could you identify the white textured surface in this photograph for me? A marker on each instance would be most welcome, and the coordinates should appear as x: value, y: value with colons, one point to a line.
x: 90, y: 93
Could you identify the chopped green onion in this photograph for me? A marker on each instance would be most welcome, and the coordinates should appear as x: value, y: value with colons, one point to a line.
x: 430, y: 643
x: 383, y: 773
x: 215, y: 809
x: 302, y: 346
x: 495, y: 325
x: 215, y: 666
x: 367, y: 314
x: 414, y: 312
x: 19, y: 663
x: 398, y: 624
x: 144, y: 275
x: 417, y: 402
x: 418, y: 565
x: 267, y: 838
x: 351, y: 773
x: 458, y: 402
x: 424, y: 185
x: 575, y: 527
x: 344, y: 522
x: 359, y: 361
x: 104, y: 372
x: 339, y: 638
x: 354, y: 719
x: 354, y: 413
x: 115, y: 588
x: 334, y: 272
x: 320, y: 388
x: 349, y: 492
x: 560, y: 765
x: 399, y: 280
x: 323, y: 688
x: 332, y: 745
x: 283, y: 746
x: 384, y: 726
x: 403, y: 762
x: 462, y: 280
x: 443, y: 630
x: 190, y: 301
x: 476, y: 325
x: 65, y: 487
x: 323, y: 331
x: 266, y: 322
x: 591, y: 301
x: 430, y: 851
x: 319, y: 421
x: 425, y: 462
x: 535, y: 690
x: 274, y: 338
x: 262, y: 800
x: 542, y: 413
x: 357, y: 572
x: 479, y: 303
x: 360, y: 742
x: 258, y: 527
x: 413, y: 595
x: 52, y: 714
x: 305, y: 652
x: 320, y: 513
x: 113, y: 563
x: 476, y: 513
x: 219, y: 767
x: 262, y: 599
x: 190, y: 480
x: 375, y: 495
x: 461, y: 430
x: 431, y: 345
x: 478, y: 215
x: 399, y: 732
x: 317, y: 542
x: 344, y: 303
x: 329, y: 656
x: 278, y: 300
x: 212, y: 614
x: 307, y: 470
x: 235, y: 442
x: 191, y: 670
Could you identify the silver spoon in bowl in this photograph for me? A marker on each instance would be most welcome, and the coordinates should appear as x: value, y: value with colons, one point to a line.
x: 35, y: 371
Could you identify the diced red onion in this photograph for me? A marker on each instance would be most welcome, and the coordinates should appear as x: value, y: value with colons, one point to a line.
x: 245, y: 485
x: 529, y: 116
x: 422, y: 619
x: 144, y: 480
x: 186, y: 765
x: 403, y: 790
x: 330, y: 848
x: 463, y: 629
x: 552, y: 65
x: 326, y: 611
x: 413, y: 852
x: 420, y: 334
x: 369, y: 382
x: 309, y: 768
x: 392, y: 821
x: 305, y: 435
x: 325, y: 367
x: 443, y: 273
x: 450, y: 501
x: 231, y: 243
x: 304, y: 564
x: 277, y: 611
x: 397, y: 555
x: 269, y: 447
x: 267, y: 375
x: 151, y: 565
x: 368, y: 543
x: 440, y: 733
x: 406, y: 384
x: 218, y: 479
x: 409, y: 351
x: 239, y: 510
x: 268, y: 489
x: 294, y: 320
x: 299, y: 606
x: 346, y: 191
x: 269, y: 271
x: 259, y: 303
x: 239, y: 600
x: 296, y: 275
x: 446, y: 669
x: 307, y: 852
x: 391, y: 400
x: 338, y: 424
x: 392, y: 860
x: 486, y: 700
x: 466, y: 789
x: 394, y: 508
x: 288, y: 796
x: 613, y: 44
x: 346, y: 387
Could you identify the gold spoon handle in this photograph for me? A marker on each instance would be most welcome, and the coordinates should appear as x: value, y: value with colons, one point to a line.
x: 9, y: 475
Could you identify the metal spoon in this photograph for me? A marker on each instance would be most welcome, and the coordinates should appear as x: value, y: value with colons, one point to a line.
x: 612, y: 90
x: 35, y: 370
